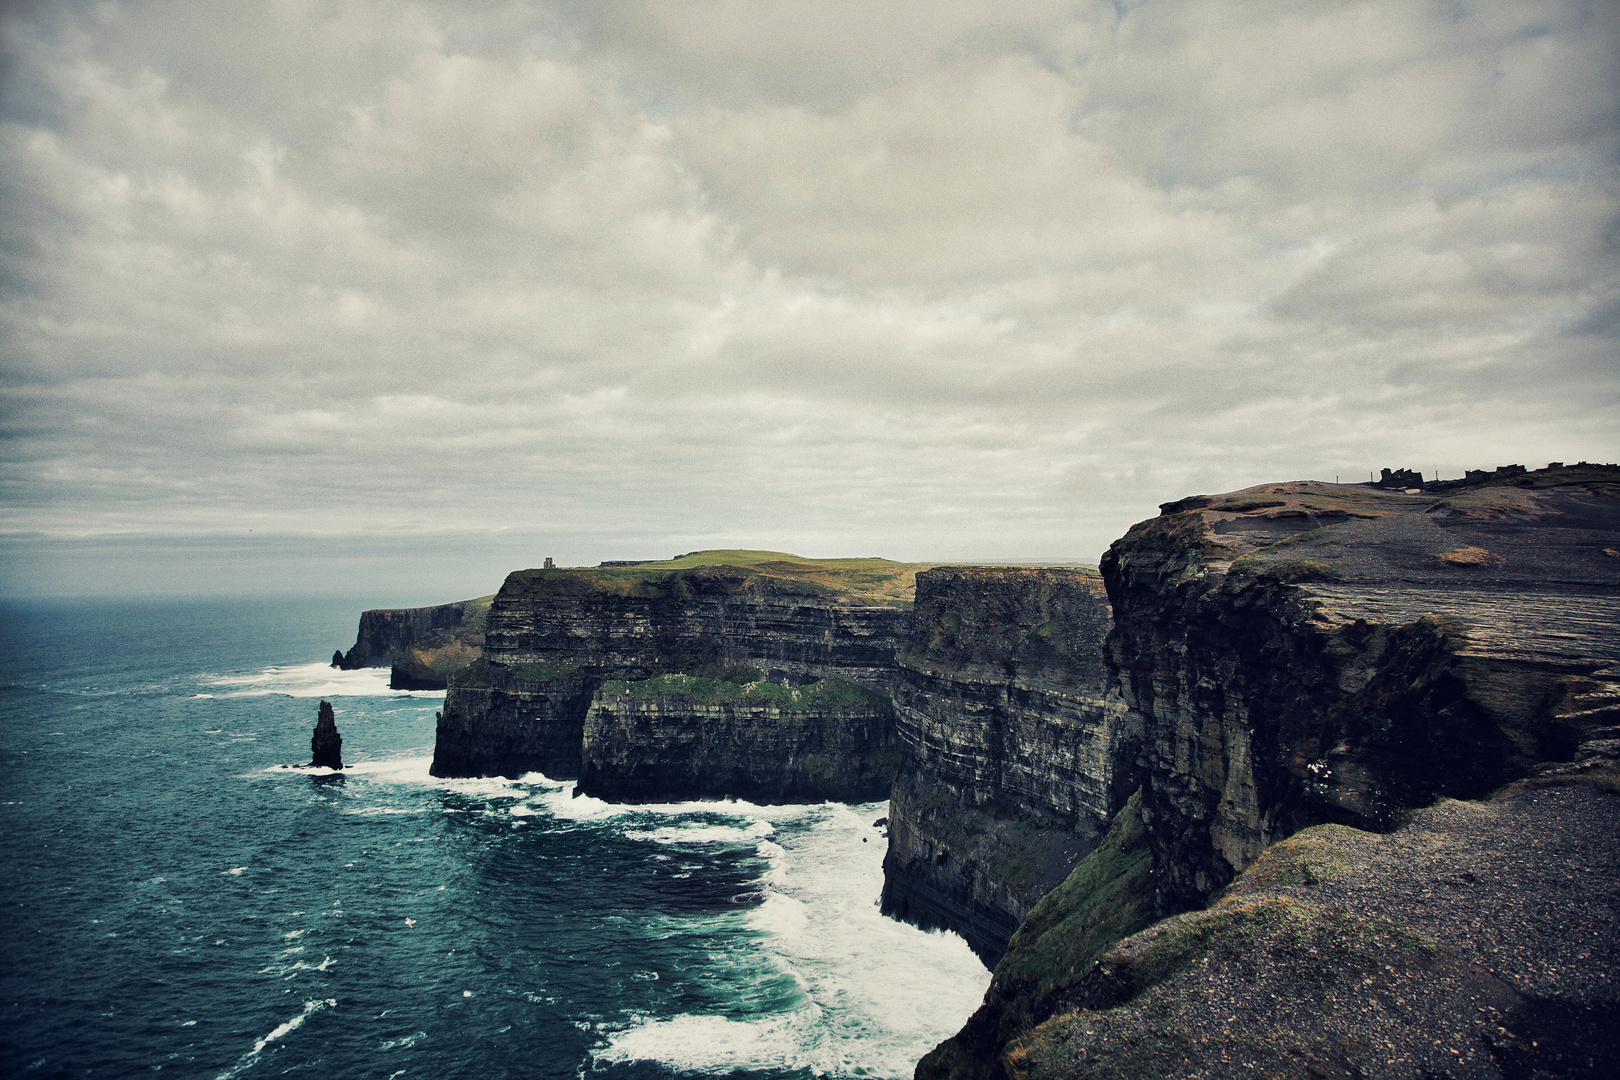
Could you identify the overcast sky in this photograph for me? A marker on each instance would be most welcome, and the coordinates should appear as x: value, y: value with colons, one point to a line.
x: 400, y: 296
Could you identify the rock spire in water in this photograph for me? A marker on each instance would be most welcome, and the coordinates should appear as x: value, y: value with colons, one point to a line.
x: 326, y: 745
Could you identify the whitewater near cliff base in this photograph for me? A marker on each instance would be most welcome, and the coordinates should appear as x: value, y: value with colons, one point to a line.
x: 183, y: 904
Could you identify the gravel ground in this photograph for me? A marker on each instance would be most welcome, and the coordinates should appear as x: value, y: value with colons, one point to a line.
x: 1478, y: 940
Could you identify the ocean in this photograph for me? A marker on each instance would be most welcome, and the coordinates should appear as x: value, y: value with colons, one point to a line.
x: 178, y: 902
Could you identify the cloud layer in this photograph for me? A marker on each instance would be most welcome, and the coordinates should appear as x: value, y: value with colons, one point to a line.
x: 947, y: 280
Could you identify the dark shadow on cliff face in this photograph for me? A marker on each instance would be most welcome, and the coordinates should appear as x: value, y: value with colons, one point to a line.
x: 1108, y: 896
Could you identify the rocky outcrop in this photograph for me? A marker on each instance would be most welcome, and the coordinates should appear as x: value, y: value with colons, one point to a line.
x: 681, y: 737
x: 553, y: 637
x: 325, y: 745
x: 1305, y: 653
x: 421, y: 645
x: 1017, y: 753
x: 1476, y: 940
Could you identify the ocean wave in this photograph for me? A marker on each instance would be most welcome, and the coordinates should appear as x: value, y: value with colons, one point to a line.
x: 313, y: 680
x: 249, y: 1059
x: 699, y: 1043
x: 701, y: 833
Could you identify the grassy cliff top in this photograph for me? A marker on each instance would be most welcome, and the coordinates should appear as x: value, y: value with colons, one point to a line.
x: 871, y: 581
x: 861, y: 581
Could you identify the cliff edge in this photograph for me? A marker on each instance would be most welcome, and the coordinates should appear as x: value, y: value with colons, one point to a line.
x: 1306, y: 653
x: 421, y: 645
x: 1327, y: 680
x: 555, y: 639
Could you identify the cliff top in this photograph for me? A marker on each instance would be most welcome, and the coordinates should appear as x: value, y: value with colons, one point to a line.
x: 1559, y: 525
x: 871, y: 581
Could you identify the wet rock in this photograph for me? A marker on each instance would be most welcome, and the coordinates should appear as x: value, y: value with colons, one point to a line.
x: 678, y: 737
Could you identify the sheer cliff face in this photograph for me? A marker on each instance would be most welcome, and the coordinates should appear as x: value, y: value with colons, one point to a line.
x: 1014, y: 747
x: 1304, y: 653
x: 554, y: 637
x: 680, y: 738
x: 622, y: 626
x: 422, y: 645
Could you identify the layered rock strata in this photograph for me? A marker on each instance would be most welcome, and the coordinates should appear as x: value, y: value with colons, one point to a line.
x: 1305, y: 653
x: 1017, y: 753
x: 679, y: 737
x: 553, y: 637
x: 1334, y: 660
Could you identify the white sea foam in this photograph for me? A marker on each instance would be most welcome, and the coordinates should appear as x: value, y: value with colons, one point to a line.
x: 313, y: 680
x: 699, y: 833
x: 876, y: 994
x: 403, y: 1042
x: 249, y: 1059
x: 716, y: 1043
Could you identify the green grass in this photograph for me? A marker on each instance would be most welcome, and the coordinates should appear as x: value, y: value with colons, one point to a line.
x: 872, y: 581
x: 543, y: 672
x: 1108, y: 896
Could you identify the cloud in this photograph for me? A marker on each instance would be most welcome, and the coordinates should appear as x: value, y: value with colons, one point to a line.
x: 946, y: 280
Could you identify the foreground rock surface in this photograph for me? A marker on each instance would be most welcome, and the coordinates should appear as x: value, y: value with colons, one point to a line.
x: 1477, y: 940
x: 1012, y: 740
x: 1305, y: 653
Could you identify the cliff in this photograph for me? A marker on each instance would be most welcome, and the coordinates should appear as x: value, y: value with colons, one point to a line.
x: 421, y: 645
x: 684, y: 737
x: 1017, y: 751
x: 1306, y: 653
x: 555, y: 637
x: 1321, y: 673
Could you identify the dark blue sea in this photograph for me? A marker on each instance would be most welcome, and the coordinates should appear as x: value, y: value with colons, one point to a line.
x: 177, y: 902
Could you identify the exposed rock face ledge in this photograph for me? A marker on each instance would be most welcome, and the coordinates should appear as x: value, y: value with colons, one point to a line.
x: 325, y: 745
x: 553, y: 637
x: 1017, y: 752
x: 1304, y: 653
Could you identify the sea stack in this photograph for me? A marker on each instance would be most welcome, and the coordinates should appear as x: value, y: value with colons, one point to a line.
x: 326, y: 745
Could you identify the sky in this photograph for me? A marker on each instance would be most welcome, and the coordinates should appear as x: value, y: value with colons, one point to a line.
x: 394, y: 297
